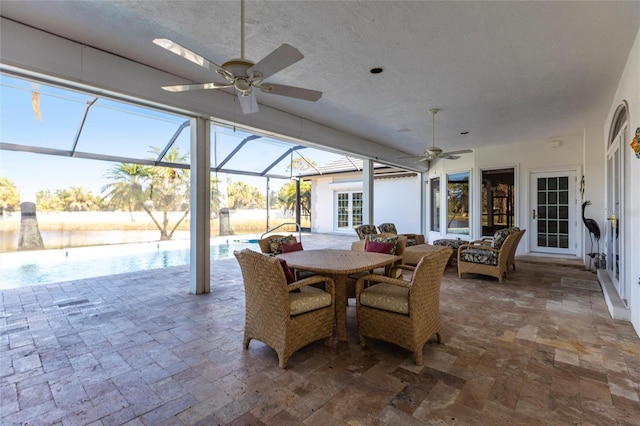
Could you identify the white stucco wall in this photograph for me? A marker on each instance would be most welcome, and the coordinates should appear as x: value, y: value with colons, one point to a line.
x: 406, y: 218
x: 525, y: 157
x: 397, y: 201
x: 629, y: 91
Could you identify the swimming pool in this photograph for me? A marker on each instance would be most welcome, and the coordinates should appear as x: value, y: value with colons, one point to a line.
x: 23, y: 269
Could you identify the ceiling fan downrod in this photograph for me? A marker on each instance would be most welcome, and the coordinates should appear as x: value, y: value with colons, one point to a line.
x: 241, y: 29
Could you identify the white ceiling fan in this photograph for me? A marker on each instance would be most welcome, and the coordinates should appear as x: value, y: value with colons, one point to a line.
x: 436, y: 152
x: 243, y: 75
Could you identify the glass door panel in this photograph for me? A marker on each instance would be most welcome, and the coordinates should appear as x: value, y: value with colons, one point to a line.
x: 614, y: 216
x: 348, y: 213
x: 553, y: 212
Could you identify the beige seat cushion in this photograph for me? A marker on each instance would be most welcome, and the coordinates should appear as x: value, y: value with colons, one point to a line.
x: 308, y: 299
x: 386, y: 296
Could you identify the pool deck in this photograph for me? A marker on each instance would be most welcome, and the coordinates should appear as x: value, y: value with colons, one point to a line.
x: 139, y: 349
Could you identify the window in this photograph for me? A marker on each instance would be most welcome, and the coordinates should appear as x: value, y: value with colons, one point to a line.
x: 498, y: 195
x: 435, y: 204
x: 458, y: 203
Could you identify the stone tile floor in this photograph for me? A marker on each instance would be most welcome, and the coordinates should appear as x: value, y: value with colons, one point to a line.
x: 138, y: 349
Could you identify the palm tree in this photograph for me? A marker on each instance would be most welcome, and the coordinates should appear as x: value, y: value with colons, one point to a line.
x: 127, y: 192
x: 169, y: 192
x: 287, y: 196
x: 244, y: 196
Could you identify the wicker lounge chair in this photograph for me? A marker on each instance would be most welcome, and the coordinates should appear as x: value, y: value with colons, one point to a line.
x: 405, y: 313
x: 484, y: 259
x: 512, y: 256
x: 412, y: 239
x: 276, y: 313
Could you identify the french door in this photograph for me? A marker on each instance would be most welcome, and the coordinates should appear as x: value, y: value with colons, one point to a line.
x: 614, y: 223
x: 348, y: 210
x: 553, y: 213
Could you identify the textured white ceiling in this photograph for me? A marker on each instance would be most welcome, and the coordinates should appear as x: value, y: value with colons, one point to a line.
x: 503, y: 71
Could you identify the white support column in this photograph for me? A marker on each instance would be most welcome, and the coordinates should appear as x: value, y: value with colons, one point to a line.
x: 367, y: 192
x: 200, y: 274
x: 424, y: 180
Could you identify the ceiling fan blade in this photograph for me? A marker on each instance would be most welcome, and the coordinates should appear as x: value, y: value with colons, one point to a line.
x: 291, y: 91
x: 462, y: 151
x: 199, y: 86
x: 249, y: 104
x: 182, y: 51
x: 275, y: 61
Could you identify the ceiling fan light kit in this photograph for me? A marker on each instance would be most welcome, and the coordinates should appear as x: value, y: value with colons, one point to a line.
x: 242, y: 74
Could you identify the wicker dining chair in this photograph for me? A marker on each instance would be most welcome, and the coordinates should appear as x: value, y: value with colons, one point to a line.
x: 284, y: 316
x: 265, y: 243
x: 405, y: 313
x: 363, y: 230
x: 401, y: 244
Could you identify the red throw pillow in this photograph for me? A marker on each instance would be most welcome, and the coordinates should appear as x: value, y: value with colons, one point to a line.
x: 287, y: 272
x: 289, y: 247
x: 377, y: 247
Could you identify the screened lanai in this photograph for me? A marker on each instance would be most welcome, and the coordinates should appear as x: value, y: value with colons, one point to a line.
x: 71, y: 151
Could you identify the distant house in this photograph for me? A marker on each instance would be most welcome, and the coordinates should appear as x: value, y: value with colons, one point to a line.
x: 337, y: 196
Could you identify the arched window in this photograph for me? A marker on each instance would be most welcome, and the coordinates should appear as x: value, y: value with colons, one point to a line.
x: 619, y: 119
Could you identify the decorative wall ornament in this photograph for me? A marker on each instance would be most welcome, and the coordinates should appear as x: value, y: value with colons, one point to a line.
x: 635, y: 143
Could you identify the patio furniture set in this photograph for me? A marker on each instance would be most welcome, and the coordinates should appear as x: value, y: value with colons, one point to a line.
x: 294, y: 296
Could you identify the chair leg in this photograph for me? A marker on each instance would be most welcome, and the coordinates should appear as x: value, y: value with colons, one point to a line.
x: 246, y: 342
x: 282, y: 362
x: 439, y: 336
x: 417, y: 356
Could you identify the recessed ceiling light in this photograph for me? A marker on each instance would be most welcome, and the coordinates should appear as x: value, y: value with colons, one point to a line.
x: 376, y: 70
x: 464, y: 133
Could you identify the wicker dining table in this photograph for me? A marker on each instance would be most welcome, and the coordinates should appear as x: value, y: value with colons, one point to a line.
x: 338, y: 264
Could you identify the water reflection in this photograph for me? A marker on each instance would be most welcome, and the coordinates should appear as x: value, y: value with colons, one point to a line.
x: 71, y: 265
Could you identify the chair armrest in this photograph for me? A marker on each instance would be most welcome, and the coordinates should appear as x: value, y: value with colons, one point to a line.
x: 377, y: 278
x: 316, y: 279
x: 403, y: 266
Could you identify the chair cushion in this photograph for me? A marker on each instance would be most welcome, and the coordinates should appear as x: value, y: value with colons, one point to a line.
x: 379, y: 247
x: 387, y: 228
x: 287, y: 271
x: 478, y: 255
x: 501, y: 235
x: 364, y: 230
x: 412, y: 242
x: 454, y: 244
x: 308, y: 299
x: 379, y: 239
x: 387, y: 297
x: 289, y: 247
x: 276, y: 243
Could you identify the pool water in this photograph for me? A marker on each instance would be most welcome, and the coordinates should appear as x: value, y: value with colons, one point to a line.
x: 49, y: 266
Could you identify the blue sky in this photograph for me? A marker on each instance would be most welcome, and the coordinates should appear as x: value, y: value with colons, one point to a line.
x: 111, y: 128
